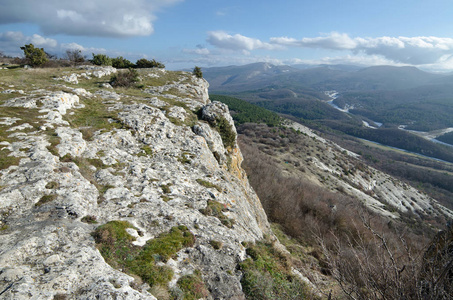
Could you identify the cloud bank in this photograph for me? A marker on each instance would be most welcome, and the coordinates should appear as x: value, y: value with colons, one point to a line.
x: 417, y: 51
x: 224, y: 40
x: 11, y: 41
x: 110, y: 18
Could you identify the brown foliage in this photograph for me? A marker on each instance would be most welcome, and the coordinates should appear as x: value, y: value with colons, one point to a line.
x: 370, y: 256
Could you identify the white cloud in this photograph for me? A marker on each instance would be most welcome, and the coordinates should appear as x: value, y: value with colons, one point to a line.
x: 335, y: 41
x: 407, y: 50
x: 198, y: 51
x: 86, y: 17
x: 237, y: 42
x: 11, y: 41
x: 422, y: 51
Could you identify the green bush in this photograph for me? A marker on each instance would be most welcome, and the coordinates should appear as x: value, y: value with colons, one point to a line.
x: 121, y: 63
x: 144, y: 63
x: 197, y: 72
x: 216, y: 244
x: 125, y: 78
x: 34, y: 56
x: 193, y: 286
x: 101, y: 60
x: 267, y: 275
x: 226, y: 132
x: 89, y: 219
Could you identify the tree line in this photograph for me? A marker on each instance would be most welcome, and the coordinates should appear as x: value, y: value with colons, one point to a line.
x: 38, y: 57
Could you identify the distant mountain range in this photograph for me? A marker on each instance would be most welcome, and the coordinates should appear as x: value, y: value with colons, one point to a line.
x: 383, y: 96
x: 323, y: 77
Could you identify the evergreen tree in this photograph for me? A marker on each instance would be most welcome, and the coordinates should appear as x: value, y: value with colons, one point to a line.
x: 34, y: 56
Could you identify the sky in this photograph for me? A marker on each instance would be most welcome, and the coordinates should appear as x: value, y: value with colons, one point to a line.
x: 187, y: 33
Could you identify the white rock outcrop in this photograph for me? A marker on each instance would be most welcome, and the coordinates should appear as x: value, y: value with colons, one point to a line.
x: 150, y: 170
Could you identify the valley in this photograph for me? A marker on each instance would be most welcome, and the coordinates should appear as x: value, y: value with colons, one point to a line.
x: 319, y: 196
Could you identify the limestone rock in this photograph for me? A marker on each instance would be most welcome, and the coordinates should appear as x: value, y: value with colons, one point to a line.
x: 157, y: 168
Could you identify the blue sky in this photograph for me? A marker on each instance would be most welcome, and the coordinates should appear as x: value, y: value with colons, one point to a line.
x: 184, y: 33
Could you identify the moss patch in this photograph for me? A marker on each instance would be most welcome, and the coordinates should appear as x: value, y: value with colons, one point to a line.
x: 216, y: 209
x: 209, y: 184
x: 166, y: 188
x: 45, y: 199
x: 6, y: 161
x: 115, y: 245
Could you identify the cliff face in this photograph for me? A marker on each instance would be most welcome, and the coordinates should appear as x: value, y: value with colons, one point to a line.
x: 76, y: 156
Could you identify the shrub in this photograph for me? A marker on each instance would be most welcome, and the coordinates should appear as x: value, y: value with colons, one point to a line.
x: 75, y: 56
x: 52, y: 185
x: 34, y: 56
x: 267, y: 275
x: 226, y: 132
x: 121, y: 63
x: 124, y: 79
x: 101, y: 60
x: 192, y: 286
x: 216, y: 244
x: 144, y: 63
x: 89, y: 219
x: 197, y: 72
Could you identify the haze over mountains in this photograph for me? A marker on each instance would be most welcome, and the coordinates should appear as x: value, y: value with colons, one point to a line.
x: 323, y: 77
x: 377, y: 103
x: 372, y: 92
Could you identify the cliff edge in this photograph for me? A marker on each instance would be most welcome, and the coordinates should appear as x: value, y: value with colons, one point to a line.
x: 90, y: 176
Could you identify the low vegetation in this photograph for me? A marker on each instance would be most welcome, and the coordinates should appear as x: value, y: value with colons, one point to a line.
x: 267, y: 275
x: 45, y: 199
x: 208, y: 184
x: 368, y: 256
x: 115, y: 245
x: 217, y: 209
x: 125, y: 79
x: 226, y: 131
x: 192, y: 287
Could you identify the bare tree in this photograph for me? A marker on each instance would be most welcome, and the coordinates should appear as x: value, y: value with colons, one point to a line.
x: 75, y: 56
x: 376, y: 264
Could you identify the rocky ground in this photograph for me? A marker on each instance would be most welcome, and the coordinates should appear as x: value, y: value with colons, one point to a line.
x: 76, y: 154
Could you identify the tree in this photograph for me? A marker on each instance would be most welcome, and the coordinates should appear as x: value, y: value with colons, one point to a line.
x: 125, y: 78
x: 75, y: 56
x: 197, y: 72
x: 101, y: 60
x: 375, y: 264
x: 34, y: 56
x: 144, y: 63
x: 121, y: 63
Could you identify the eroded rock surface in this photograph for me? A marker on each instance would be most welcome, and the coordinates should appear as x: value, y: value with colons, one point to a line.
x: 154, y: 165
